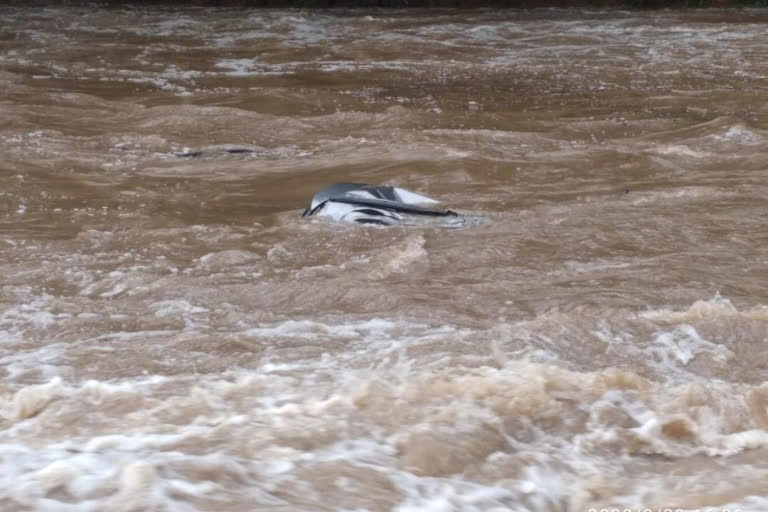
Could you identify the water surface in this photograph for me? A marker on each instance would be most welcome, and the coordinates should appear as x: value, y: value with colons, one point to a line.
x: 174, y: 337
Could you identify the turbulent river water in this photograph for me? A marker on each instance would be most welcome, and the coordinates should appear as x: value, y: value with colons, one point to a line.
x: 174, y: 337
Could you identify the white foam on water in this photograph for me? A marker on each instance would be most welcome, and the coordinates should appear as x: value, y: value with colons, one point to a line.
x: 716, y: 307
x: 31, y: 400
x: 376, y: 329
x: 442, y: 496
x: 254, y: 409
x: 175, y: 307
x: 32, y: 314
x: 676, y: 342
x: 159, y: 82
x: 241, y: 67
x: 683, y: 344
x: 739, y: 133
x: 350, y: 66
x: 44, y: 360
x: 254, y: 67
x: 681, y: 150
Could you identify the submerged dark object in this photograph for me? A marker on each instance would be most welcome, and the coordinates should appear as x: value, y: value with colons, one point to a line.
x: 202, y: 152
x: 369, y: 204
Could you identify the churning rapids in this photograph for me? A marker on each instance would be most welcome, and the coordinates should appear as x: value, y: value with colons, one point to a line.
x: 175, y: 337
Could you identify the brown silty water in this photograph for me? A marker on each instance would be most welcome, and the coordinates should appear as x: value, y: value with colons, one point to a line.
x: 174, y: 337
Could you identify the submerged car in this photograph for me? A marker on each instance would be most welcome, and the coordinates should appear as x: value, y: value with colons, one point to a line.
x: 370, y: 204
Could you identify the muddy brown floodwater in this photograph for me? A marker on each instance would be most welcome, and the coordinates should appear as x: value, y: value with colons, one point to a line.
x: 174, y: 337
